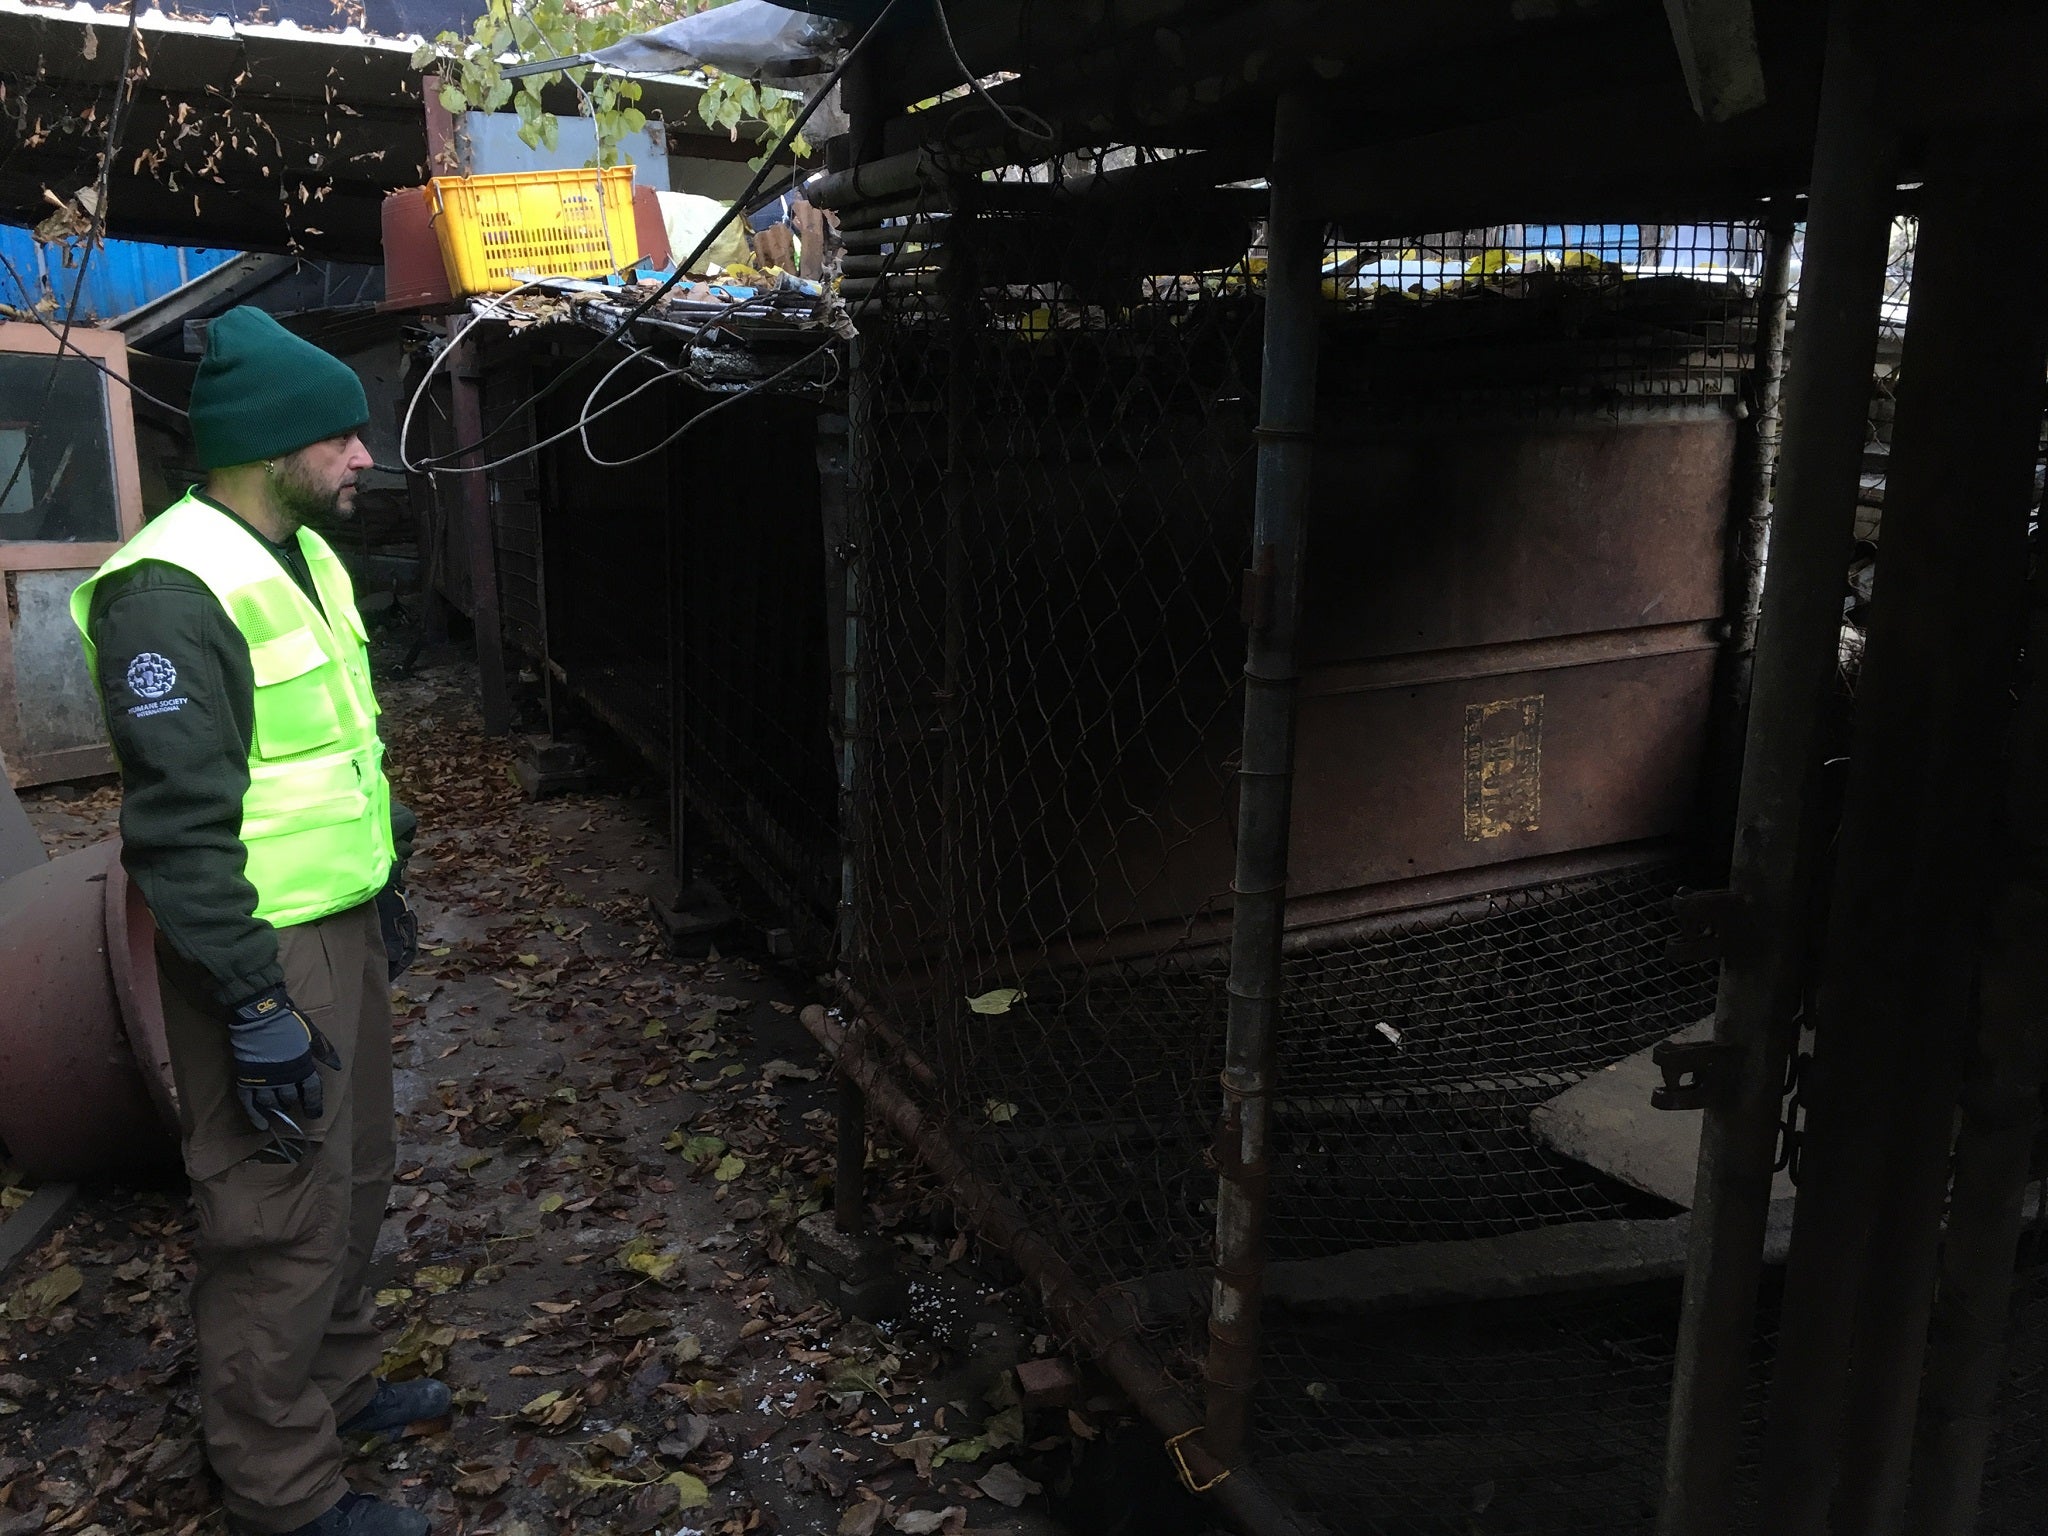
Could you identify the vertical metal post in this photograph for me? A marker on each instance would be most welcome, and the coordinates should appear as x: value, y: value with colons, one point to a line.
x: 480, y: 536
x: 2001, y: 1104
x: 1753, y: 544
x: 843, y: 444
x: 677, y: 540
x: 849, y: 1169
x: 1916, y: 831
x: 847, y: 512
x: 1287, y: 409
x: 958, y: 294
x: 1771, y: 875
x: 1749, y: 533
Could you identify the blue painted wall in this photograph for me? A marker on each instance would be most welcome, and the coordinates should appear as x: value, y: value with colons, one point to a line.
x: 123, y: 274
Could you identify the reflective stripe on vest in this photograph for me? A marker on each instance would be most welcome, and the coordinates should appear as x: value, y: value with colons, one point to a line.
x: 316, y: 820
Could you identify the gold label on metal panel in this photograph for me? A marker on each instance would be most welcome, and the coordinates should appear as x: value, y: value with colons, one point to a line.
x: 1503, y: 767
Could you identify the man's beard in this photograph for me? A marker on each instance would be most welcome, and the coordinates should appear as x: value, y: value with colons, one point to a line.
x: 297, y: 500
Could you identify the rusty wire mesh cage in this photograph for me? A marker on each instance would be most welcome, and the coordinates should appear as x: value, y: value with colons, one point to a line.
x: 1052, y: 470
x: 1052, y: 414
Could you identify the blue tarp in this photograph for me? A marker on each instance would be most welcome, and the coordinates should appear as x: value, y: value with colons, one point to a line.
x: 123, y: 274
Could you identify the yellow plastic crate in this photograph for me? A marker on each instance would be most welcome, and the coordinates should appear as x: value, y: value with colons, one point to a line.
x: 496, y: 232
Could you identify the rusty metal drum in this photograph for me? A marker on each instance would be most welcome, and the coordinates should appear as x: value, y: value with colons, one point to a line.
x: 84, y: 1074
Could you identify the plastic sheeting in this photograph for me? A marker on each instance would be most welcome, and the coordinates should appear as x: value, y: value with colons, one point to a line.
x: 745, y: 37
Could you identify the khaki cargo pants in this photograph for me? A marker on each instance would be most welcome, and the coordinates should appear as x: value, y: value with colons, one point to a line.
x: 282, y: 1305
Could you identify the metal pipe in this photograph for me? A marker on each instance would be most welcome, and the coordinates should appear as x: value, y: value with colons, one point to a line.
x: 1773, y: 857
x: 846, y: 504
x: 1105, y: 1324
x: 2001, y: 1106
x: 1765, y: 423
x: 901, y: 260
x: 923, y: 282
x: 871, y: 216
x: 1932, y: 708
x: 954, y: 492
x: 872, y: 238
x: 898, y: 176
x: 1287, y: 413
x: 1749, y: 533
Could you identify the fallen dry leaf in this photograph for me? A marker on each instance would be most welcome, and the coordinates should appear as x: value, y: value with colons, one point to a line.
x: 924, y: 1522
x: 46, y: 1292
x: 1006, y: 1485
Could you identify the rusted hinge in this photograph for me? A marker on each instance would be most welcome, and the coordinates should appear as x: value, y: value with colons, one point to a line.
x: 1256, y: 605
x: 1707, y: 922
x: 1697, y: 1073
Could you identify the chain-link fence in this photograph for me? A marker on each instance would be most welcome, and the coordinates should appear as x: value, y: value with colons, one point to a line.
x: 1052, y: 447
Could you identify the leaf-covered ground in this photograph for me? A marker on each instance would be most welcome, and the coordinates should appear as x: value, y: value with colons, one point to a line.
x: 602, y: 1152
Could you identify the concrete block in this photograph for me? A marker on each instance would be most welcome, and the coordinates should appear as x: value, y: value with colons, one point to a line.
x: 848, y: 1256
x: 694, y: 920
x: 545, y: 766
x: 1606, y: 1122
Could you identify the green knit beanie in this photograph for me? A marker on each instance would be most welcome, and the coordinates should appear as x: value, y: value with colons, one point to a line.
x: 262, y: 392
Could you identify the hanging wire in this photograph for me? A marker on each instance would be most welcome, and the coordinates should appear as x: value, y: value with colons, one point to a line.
x: 1044, y: 133
x: 66, y: 344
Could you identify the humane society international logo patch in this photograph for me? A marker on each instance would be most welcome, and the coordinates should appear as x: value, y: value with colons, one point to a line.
x: 152, y: 676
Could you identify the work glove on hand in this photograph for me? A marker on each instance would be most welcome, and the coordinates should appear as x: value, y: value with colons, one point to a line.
x: 400, y: 927
x: 276, y: 1048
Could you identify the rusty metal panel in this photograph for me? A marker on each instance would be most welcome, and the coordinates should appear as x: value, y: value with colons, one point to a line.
x: 1408, y: 780
x: 1478, y: 533
x: 1409, y: 767
x: 1512, y: 636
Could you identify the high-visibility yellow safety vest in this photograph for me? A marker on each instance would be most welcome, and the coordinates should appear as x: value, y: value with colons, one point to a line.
x: 317, y: 816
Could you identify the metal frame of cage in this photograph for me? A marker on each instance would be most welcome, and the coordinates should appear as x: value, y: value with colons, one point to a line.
x: 939, y: 1097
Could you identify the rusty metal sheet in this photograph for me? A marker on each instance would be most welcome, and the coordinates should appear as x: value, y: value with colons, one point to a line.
x: 1402, y: 774
x: 1488, y: 532
x: 1583, y: 756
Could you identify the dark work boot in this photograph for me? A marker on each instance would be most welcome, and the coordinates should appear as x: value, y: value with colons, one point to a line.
x: 357, y: 1514
x: 397, y: 1404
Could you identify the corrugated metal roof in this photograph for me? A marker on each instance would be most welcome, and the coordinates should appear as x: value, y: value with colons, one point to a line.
x: 122, y: 275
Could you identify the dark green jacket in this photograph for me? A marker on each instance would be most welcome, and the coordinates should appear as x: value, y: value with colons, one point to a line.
x: 184, y: 771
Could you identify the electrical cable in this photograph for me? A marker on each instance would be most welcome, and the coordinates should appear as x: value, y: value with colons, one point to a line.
x: 736, y: 210
x: 435, y: 465
x: 116, y: 120
x: 1044, y: 133
x: 758, y: 385
x: 710, y: 410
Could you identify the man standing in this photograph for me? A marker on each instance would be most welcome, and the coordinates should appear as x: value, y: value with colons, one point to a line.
x: 258, y: 824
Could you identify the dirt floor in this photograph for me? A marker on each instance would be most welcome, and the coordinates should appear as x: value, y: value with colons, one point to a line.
x: 602, y: 1154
